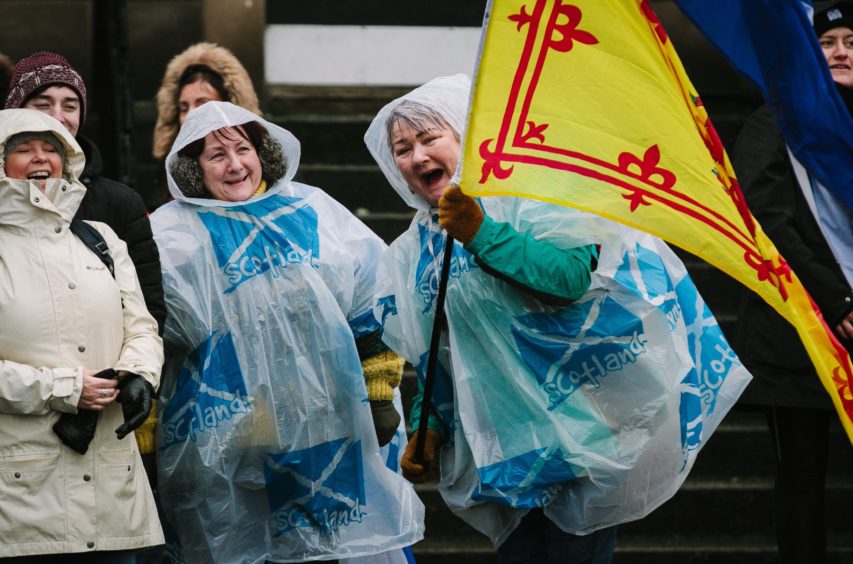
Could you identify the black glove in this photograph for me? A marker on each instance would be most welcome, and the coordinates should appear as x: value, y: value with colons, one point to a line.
x: 135, y: 398
x: 386, y: 419
x: 76, y: 430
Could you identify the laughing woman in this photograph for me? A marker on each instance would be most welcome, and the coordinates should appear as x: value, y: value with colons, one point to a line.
x: 566, y: 398
x: 79, y: 359
x: 267, y: 449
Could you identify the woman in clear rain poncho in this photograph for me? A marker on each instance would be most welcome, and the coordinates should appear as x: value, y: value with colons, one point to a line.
x: 570, y: 396
x: 266, y: 446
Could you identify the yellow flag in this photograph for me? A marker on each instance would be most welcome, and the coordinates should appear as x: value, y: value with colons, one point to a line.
x: 585, y: 103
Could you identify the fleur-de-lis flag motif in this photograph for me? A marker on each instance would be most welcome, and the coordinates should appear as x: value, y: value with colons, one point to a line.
x: 585, y: 103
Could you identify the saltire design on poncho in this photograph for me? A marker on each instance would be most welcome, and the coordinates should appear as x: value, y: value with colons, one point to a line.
x: 585, y: 103
x: 594, y: 411
x: 267, y: 450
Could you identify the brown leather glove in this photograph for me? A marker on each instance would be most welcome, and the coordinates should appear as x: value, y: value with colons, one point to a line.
x: 418, y: 473
x: 459, y: 214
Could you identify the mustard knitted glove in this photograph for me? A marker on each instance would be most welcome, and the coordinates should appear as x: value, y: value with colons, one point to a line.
x: 145, y: 432
x: 459, y: 214
x: 382, y: 373
x: 383, y: 370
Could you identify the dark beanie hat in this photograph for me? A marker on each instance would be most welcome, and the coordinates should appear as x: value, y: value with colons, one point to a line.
x: 829, y: 15
x: 39, y: 71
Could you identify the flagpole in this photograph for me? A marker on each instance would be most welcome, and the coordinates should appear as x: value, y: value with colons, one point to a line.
x: 432, y: 358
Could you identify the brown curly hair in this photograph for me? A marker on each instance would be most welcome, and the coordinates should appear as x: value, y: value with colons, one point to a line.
x: 187, y: 172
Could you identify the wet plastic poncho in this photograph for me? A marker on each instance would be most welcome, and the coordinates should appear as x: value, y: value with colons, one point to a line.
x: 266, y: 447
x: 594, y: 411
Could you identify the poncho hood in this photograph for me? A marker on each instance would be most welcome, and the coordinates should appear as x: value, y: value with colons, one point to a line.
x: 216, y: 115
x: 448, y: 97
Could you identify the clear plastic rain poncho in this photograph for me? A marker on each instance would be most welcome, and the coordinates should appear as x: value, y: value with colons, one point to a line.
x: 266, y: 446
x: 594, y: 411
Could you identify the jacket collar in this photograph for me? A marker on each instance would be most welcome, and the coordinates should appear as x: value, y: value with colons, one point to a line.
x: 23, y: 202
x: 94, y: 163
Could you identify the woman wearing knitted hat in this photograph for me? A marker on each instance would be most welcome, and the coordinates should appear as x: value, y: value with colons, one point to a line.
x: 79, y: 360
x: 48, y: 83
x: 268, y: 451
x: 813, y: 230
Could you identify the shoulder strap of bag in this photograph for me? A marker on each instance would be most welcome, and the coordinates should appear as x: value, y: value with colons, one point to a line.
x: 93, y: 239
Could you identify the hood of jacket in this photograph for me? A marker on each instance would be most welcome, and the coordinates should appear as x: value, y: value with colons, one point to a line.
x: 22, y: 200
x: 235, y: 80
x: 216, y: 115
x: 448, y: 97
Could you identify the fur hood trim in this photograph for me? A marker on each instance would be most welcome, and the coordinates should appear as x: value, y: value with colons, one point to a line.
x: 236, y: 80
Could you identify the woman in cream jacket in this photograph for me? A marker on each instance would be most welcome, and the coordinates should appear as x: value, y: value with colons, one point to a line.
x: 64, y: 318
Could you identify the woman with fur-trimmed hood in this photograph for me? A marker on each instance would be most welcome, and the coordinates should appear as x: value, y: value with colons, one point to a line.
x: 202, y: 73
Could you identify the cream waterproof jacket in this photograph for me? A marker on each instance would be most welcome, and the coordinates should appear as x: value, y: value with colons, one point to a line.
x: 60, y: 313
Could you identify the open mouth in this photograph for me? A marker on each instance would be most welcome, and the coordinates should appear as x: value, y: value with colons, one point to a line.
x: 432, y: 176
x: 39, y: 175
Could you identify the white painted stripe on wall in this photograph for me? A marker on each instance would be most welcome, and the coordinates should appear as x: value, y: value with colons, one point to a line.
x: 367, y: 55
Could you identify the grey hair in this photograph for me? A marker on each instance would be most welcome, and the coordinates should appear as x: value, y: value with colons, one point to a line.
x: 419, y: 116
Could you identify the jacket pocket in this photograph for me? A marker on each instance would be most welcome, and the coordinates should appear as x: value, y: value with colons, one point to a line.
x: 122, y: 482
x: 32, y: 502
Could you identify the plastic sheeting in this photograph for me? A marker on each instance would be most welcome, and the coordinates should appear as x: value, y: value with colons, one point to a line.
x: 595, y: 411
x: 266, y: 446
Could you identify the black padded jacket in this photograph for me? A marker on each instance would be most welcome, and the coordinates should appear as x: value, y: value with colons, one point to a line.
x: 766, y: 343
x: 121, y: 208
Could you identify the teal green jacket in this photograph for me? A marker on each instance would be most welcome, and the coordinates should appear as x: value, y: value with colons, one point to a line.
x: 554, y: 276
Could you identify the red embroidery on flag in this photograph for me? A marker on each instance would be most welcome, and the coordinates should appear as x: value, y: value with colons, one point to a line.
x: 648, y: 169
x: 643, y: 181
x: 563, y: 32
x: 521, y: 19
x: 535, y: 132
x: 653, y: 18
x: 492, y: 163
x: 777, y: 275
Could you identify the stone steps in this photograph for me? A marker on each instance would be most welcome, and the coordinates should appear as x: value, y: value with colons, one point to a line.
x: 722, y: 513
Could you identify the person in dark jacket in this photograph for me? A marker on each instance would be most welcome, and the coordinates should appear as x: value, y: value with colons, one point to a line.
x: 793, y: 210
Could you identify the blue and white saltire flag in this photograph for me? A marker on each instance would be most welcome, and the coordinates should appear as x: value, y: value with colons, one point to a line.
x: 773, y: 43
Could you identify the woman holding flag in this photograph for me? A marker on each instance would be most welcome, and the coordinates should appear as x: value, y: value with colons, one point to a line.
x: 579, y: 371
